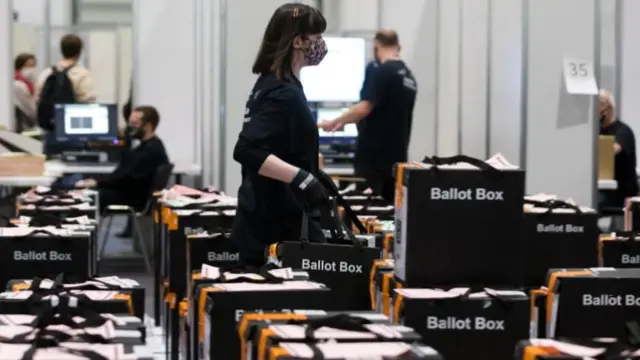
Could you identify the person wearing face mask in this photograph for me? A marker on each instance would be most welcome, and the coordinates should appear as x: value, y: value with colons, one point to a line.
x: 625, y: 154
x: 131, y: 181
x: 278, y: 144
x: 384, y: 116
x: 24, y: 92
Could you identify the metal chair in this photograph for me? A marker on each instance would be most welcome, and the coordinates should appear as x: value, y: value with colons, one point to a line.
x: 160, y: 182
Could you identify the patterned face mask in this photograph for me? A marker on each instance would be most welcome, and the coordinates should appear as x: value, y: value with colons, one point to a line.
x: 315, y: 53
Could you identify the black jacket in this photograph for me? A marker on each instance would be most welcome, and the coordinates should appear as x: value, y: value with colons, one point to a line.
x: 277, y: 122
x: 134, y: 175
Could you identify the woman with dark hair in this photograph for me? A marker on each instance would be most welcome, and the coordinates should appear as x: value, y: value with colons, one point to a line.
x: 24, y: 67
x: 278, y: 144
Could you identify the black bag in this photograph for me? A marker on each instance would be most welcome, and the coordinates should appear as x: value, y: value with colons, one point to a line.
x: 57, y: 89
x: 342, y: 264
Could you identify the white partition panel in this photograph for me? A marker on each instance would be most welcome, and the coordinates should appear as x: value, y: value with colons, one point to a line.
x: 561, y: 129
x: 630, y: 66
x: 417, y: 26
x: 474, y: 77
x: 447, y: 128
x: 103, y: 58
x: 244, y: 31
x: 124, y: 42
x: 24, y: 38
x: 164, y: 71
x: 6, y: 64
x: 506, y: 70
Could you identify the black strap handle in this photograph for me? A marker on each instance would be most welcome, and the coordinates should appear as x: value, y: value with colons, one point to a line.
x: 45, y: 343
x: 331, y: 187
x: 628, y: 235
x: 553, y: 204
x: 64, y: 312
x: 340, y: 321
x: 267, y: 277
x: 435, y: 162
x: 40, y: 232
x: 613, y: 350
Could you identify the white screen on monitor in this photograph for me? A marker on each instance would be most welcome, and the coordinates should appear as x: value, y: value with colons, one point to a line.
x: 349, y: 130
x: 86, y: 120
x: 340, y: 75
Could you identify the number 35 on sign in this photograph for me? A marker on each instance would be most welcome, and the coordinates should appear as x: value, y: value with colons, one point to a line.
x: 579, y: 77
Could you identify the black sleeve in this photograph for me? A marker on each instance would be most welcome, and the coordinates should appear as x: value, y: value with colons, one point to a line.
x: 375, y: 87
x: 263, y: 132
x: 142, y: 166
x: 627, y: 142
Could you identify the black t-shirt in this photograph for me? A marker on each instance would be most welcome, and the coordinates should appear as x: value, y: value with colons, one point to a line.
x: 278, y: 122
x: 134, y: 175
x: 383, y: 136
x: 625, y: 160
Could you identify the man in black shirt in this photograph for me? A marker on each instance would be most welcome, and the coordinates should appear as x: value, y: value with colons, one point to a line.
x: 384, y: 116
x: 130, y: 183
x: 625, y: 154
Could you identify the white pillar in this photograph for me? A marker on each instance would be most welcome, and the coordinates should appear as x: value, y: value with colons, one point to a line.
x: 6, y: 64
x: 506, y: 70
x: 448, y: 127
x: 474, y: 86
x: 244, y: 31
x: 629, y: 108
x: 164, y: 71
x: 561, y: 128
x: 416, y: 22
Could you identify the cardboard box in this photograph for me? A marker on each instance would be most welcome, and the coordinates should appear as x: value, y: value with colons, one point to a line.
x: 21, y: 164
x: 606, y: 157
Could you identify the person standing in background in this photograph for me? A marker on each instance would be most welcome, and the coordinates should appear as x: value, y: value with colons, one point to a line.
x: 71, y: 49
x: 624, y: 149
x: 384, y: 116
x: 24, y: 92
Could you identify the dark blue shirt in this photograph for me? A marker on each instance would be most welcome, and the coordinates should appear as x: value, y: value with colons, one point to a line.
x: 383, y: 136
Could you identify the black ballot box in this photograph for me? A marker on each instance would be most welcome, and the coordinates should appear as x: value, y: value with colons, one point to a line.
x: 224, y: 305
x: 44, y: 252
x: 632, y: 214
x: 360, y: 350
x: 215, y: 249
x: 30, y: 302
x: 44, y: 215
x: 97, y: 284
x: 590, y: 303
x: 576, y: 349
x: 252, y: 326
x: 620, y: 250
x: 459, y: 224
x: 329, y: 330
x: 461, y: 324
x: 557, y: 234
x: 63, y: 350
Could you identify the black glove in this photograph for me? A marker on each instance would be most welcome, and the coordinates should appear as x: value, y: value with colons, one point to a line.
x: 311, y: 191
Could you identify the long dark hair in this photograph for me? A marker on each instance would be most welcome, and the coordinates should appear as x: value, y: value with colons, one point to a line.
x: 288, y: 21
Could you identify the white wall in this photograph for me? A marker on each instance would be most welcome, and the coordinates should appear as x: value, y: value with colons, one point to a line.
x: 505, y: 100
x: 630, y: 71
x: 6, y: 64
x: 164, y: 71
x: 34, y: 11
x: 416, y: 23
x: 247, y: 29
x: 561, y: 129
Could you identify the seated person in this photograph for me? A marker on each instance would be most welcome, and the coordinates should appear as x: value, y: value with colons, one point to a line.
x: 130, y: 183
x: 625, y: 154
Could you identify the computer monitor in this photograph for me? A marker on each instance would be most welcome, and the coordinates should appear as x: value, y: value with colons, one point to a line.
x: 349, y: 132
x: 86, y: 122
x: 340, y: 75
